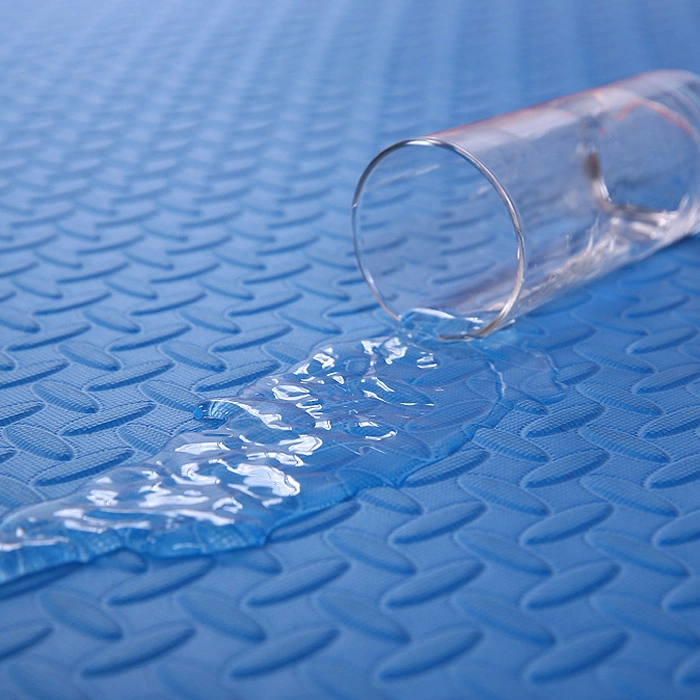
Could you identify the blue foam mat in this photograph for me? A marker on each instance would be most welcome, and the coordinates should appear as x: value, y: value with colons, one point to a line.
x: 174, y: 180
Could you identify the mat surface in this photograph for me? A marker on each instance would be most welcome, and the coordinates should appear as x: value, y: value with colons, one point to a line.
x: 175, y: 181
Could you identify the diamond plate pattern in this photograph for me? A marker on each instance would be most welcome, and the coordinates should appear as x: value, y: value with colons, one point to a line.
x: 174, y: 187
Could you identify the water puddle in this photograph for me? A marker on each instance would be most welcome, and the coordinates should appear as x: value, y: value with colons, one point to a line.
x: 349, y: 417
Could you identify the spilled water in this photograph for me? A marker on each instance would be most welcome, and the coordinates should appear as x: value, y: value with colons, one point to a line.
x: 349, y: 417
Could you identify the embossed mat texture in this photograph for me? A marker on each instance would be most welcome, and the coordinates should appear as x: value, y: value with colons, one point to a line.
x: 175, y: 180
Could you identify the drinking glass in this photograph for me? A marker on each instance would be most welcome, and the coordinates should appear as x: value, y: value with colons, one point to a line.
x: 468, y: 228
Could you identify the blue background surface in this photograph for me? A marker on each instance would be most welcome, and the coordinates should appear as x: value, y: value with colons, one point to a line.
x: 175, y: 181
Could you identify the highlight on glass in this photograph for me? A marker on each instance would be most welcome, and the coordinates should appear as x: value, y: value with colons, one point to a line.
x: 468, y: 228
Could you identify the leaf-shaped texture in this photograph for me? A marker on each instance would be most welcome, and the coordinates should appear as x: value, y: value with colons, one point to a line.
x: 565, y: 338
x: 209, y: 319
x: 571, y: 584
x: 94, y: 271
x: 503, y: 551
x: 674, y: 423
x: 17, y: 320
x: 565, y: 302
x: 450, y: 373
x: 657, y: 305
x: 111, y: 318
x: 160, y: 581
x: 340, y: 681
x: 432, y: 583
x: 437, y: 522
x: 226, y: 286
x: 167, y: 303
x: 239, y: 375
x: 72, y: 302
x: 369, y: 550
x: 399, y: 393
x: 363, y: 616
x: 192, y: 680
x: 573, y: 374
x: 447, y: 416
x: 609, y: 357
x: 171, y: 395
x: 323, y: 520
x: 542, y: 387
x: 633, y: 551
x: 505, y: 617
x: 625, y: 493
x: 144, y: 437
x: 149, y: 644
x: 193, y: 355
x: 109, y: 418
x: 663, y: 340
x: 563, y: 421
x: 204, y: 241
x: 31, y: 582
x: 430, y: 653
x: 615, y: 397
x: 681, y: 530
x: 48, y: 681
x: 565, y: 468
x: 155, y: 336
x: 49, y: 337
x: 185, y: 271
x: 15, y: 493
x: 679, y: 375
x: 18, y: 637
x: 122, y: 560
x: 66, y: 396
x: 249, y: 339
x: 576, y: 655
x: 528, y: 405
x: 684, y: 597
x: 509, y: 445
x: 6, y: 453
x: 644, y: 617
x: 651, y: 270
x: 18, y: 411
x: 130, y: 375
x: 81, y: 613
x: 38, y: 441
x: 222, y: 613
x: 26, y: 374
x: 311, y: 322
x: 6, y: 362
x: 679, y: 473
x: 688, y: 674
x: 11, y: 267
x: 283, y: 650
x: 89, y: 355
x: 300, y: 581
x: 255, y: 559
x: 503, y: 494
x: 280, y: 271
x: 567, y: 523
x: 391, y: 499
x: 624, y: 444
x: 263, y: 303
x: 448, y: 468
x: 81, y: 467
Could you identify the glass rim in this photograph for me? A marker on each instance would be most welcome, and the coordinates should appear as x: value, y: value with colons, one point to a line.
x: 494, y: 182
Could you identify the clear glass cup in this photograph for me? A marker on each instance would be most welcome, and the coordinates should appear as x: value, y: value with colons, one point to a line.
x: 471, y: 227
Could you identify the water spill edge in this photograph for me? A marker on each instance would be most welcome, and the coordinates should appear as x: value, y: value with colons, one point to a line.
x: 358, y: 415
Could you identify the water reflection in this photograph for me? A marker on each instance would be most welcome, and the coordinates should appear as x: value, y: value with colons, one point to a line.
x: 292, y: 443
